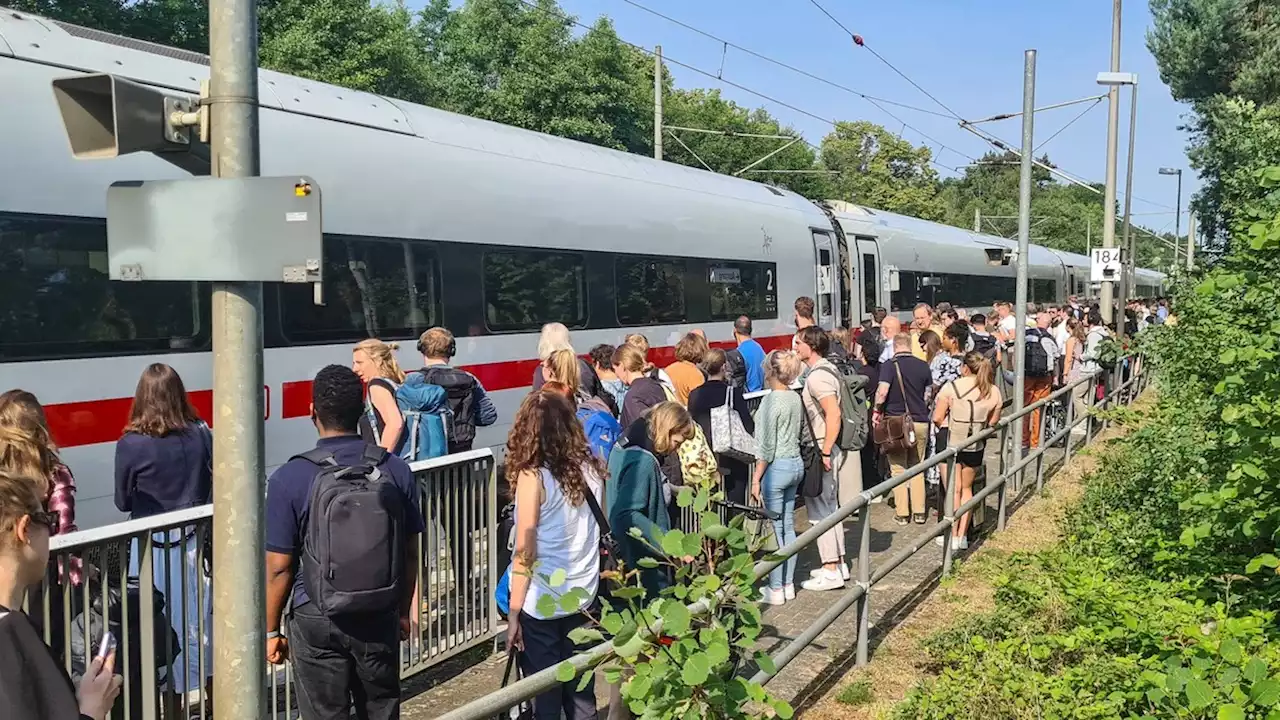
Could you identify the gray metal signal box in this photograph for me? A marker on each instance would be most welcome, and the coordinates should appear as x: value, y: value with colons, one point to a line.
x: 255, y: 229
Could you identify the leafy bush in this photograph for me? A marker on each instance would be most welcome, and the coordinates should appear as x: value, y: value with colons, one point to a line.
x: 1161, y: 601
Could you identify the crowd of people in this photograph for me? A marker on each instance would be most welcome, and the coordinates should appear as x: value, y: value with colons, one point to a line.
x: 597, y: 450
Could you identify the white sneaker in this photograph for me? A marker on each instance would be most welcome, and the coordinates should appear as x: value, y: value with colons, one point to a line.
x: 789, y: 592
x: 877, y: 500
x: 827, y: 580
x: 956, y: 543
x: 845, y: 571
x: 772, y: 597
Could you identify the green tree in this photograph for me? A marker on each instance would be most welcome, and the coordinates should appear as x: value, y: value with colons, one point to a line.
x: 731, y: 153
x: 1223, y: 57
x: 876, y: 168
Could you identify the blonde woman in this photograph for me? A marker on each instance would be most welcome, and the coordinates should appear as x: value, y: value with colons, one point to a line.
x: 375, y: 362
x: 641, y: 343
x: 643, y: 390
x: 778, y: 468
x: 27, y: 450
x: 555, y: 336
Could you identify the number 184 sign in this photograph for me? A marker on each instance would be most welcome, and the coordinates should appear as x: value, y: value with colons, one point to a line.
x: 1105, y: 265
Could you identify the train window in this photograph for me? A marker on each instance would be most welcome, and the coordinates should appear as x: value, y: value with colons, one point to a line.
x: 372, y: 288
x: 650, y: 290
x: 749, y: 289
x: 870, y: 283
x: 974, y: 291
x: 525, y: 289
x: 57, y: 301
x: 1044, y: 291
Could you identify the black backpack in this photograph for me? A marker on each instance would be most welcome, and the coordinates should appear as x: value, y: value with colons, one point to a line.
x: 353, y: 548
x: 460, y: 386
x: 984, y: 344
x: 735, y: 368
x: 1037, y: 358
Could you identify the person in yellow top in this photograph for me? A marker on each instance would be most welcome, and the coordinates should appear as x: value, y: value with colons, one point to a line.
x: 922, y: 318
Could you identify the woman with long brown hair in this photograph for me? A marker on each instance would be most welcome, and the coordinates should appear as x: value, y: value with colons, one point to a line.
x: 27, y: 450
x: 1073, y: 369
x: 164, y: 462
x: 558, y: 484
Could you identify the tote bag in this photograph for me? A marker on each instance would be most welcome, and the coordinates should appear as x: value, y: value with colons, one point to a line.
x: 728, y: 435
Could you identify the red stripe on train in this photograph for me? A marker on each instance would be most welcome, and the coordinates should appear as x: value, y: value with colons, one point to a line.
x: 99, y: 421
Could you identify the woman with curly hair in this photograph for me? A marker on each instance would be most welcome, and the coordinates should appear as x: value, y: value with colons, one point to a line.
x: 556, y: 481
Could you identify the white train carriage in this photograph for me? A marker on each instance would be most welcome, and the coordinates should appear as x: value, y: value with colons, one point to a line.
x: 431, y: 218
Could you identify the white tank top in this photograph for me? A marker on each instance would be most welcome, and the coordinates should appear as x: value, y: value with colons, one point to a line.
x: 569, y: 540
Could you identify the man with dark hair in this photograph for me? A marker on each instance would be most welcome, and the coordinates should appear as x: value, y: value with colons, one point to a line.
x: 804, y: 312
x: 470, y: 404
x: 749, y: 356
x: 341, y: 657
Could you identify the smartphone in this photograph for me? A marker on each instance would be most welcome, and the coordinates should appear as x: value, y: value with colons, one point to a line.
x: 107, y: 646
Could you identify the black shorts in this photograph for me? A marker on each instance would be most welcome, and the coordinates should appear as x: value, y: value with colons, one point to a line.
x: 971, y: 458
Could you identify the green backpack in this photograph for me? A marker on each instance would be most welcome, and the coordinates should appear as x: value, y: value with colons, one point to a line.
x: 852, y: 390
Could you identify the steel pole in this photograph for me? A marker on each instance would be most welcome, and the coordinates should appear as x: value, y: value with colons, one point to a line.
x: 657, y: 102
x: 1177, y: 217
x: 977, y: 219
x: 1024, y: 244
x: 1107, y: 299
x: 1128, y: 261
x: 1191, y: 241
x: 239, y: 598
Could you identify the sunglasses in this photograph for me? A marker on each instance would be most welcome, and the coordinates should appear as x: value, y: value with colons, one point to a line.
x: 46, y: 519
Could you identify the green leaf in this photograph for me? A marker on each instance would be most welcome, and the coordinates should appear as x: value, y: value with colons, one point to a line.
x: 766, y: 664
x: 1255, y: 670
x: 557, y: 578
x: 647, y: 563
x: 716, y: 532
x: 546, y: 605
x: 631, y: 647
x: 1231, y: 712
x: 684, y: 498
x: 692, y: 544
x: 1230, y: 650
x: 675, y: 618
x: 565, y: 672
x: 784, y: 709
x: 1265, y: 692
x: 585, y: 635
x: 1199, y: 694
x: 573, y: 600
x: 696, y: 669
x: 1267, y: 560
x: 673, y: 543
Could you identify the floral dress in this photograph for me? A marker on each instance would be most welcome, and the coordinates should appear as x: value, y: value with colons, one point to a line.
x: 944, y: 368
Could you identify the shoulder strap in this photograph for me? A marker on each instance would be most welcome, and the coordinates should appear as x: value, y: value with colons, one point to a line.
x: 902, y: 386
x: 375, y: 454
x: 601, y: 520
x: 317, y: 456
x: 804, y: 413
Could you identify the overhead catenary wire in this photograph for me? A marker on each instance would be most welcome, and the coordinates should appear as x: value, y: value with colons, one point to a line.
x: 1070, y: 123
x: 693, y: 68
x: 878, y: 102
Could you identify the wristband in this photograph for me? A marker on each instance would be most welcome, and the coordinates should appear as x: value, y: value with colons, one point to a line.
x: 273, y: 634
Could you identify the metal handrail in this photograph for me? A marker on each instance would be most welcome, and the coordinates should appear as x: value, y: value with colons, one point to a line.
x: 533, y: 685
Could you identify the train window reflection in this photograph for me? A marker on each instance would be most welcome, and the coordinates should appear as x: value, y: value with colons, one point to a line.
x: 372, y: 288
x: 57, y: 301
x: 650, y: 290
x: 743, y: 289
x: 525, y: 289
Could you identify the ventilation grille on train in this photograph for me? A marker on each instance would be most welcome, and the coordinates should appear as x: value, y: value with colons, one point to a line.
x: 143, y: 45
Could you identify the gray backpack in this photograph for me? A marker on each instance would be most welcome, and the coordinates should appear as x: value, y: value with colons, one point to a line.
x: 852, y: 392
x: 353, y: 551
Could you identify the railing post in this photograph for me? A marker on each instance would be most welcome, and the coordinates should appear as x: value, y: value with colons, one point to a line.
x: 1040, y: 448
x: 1071, y: 427
x: 1093, y: 405
x: 146, y: 614
x: 949, y: 515
x: 864, y: 581
x: 1002, y: 495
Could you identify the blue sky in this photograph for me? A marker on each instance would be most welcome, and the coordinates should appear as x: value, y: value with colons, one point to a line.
x: 967, y: 53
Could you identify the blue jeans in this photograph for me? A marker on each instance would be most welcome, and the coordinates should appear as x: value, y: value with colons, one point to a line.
x: 781, y: 479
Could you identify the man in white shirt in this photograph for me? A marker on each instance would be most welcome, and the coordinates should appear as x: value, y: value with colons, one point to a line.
x: 1006, y: 322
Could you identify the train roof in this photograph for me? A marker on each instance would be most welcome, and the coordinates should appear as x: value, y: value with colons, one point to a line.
x: 487, y: 182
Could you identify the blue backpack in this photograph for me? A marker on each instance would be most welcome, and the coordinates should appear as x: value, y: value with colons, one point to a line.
x: 427, y: 418
x: 601, y: 429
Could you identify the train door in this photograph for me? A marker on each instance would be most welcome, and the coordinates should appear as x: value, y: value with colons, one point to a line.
x: 869, y: 284
x: 827, y: 297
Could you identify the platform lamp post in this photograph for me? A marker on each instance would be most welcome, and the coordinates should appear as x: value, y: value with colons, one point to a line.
x: 1177, y: 218
x: 1115, y: 80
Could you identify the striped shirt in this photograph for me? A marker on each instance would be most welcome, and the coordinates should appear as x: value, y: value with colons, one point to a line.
x: 62, y: 502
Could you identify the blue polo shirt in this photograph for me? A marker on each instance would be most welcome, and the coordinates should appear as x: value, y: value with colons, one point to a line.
x: 289, y: 500
x: 753, y: 357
